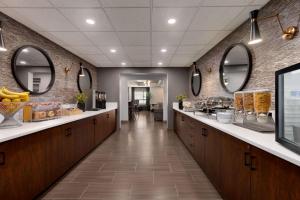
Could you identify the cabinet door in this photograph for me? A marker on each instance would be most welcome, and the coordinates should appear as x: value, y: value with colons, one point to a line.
x: 272, y: 177
x: 22, y: 162
x: 235, y: 172
x: 212, y: 157
x: 83, y: 136
x: 54, y: 149
x: 68, y: 140
x: 100, y: 125
x: 200, y: 145
x: 112, y: 121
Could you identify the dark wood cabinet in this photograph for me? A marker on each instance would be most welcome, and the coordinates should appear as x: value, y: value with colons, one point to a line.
x: 238, y: 170
x: 212, y: 155
x: 272, y: 174
x: 30, y: 164
x: 235, y: 162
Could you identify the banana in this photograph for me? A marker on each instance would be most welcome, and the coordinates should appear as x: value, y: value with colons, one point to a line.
x: 20, y: 94
x: 6, y: 96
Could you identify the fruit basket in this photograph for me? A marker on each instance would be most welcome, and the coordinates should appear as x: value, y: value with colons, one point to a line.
x: 8, y: 110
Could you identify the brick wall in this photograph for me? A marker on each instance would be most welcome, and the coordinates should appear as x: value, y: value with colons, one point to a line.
x: 268, y: 56
x: 65, y: 87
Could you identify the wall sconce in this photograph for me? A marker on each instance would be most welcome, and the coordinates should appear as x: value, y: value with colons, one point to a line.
x: 208, y: 69
x: 67, y: 70
x: 287, y: 34
x: 81, y: 73
x: 2, y: 45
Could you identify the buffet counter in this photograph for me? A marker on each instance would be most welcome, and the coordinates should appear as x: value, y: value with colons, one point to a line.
x: 33, y: 127
x: 264, y: 141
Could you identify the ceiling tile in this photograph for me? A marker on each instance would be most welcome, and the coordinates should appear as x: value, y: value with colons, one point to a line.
x: 226, y: 3
x: 125, y: 3
x: 106, y: 50
x: 183, y: 18
x: 189, y: 49
x: 103, y: 38
x: 96, y: 58
x: 181, y: 60
x: 165, y: 59
x: 214, y: 18
x: 46, y: 19
x: 136, y: 50
x: 129, y: 19
x: 260, y: 2
x: 157, y: 49
x: 166, y: 38
x: 87, y: 50
x: 140, y: 58
x: 76, y: 3
x: 176, y: 3
x: 72, y: 38
x: 198, y: 37
x: 141, y: 64
x: 134, y: 38
x: 26, y: 3
x: 78, y: 18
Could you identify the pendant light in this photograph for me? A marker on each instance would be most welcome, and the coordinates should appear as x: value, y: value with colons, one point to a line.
x: 196, y: 71
x: 81, y: 73
x: 2, y: 45
x: 254, y: 31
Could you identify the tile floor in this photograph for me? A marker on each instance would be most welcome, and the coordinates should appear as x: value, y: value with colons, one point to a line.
x: 142, y: 161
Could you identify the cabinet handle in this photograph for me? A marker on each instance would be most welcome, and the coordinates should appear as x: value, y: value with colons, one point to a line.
x: 2, y: 158
x: 247, y: 159
x: 95, y: 121
x: 107, y: 115
x: 182, y: 118
x: 204, y: 132
x: 253, y: 165
x: 68, y: 132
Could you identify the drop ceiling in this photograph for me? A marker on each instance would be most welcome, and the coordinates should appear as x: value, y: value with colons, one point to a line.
x: 136, y: 29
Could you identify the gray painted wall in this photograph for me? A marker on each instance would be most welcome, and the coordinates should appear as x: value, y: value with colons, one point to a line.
x: 178, y: 83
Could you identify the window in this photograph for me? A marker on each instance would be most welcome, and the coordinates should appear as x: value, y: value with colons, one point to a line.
x: 141, y: 95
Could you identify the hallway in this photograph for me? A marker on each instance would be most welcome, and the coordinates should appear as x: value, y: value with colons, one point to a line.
x: 142, y: 161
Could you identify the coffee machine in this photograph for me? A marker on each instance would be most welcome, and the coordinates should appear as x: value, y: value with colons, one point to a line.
x: 99, y: 100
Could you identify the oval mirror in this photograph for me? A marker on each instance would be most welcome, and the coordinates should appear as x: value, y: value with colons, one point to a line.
x: 196, y: 81
x: 33, y: 69
x: 84, y: 80
x: 235, y: 67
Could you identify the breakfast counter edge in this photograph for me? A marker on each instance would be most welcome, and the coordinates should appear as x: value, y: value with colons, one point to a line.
x: 33, y: 127
x: 264, y: 141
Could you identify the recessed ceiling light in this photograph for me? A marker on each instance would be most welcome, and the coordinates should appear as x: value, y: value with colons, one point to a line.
x: 113, y: 50
x: 123, y: 63
x: 22, y: 62
x: 90, y: 21
x: 226, y: 61
x: 25, y: 50
x: 160, y: 63
x: 163, y: 50
x: 171, y: 21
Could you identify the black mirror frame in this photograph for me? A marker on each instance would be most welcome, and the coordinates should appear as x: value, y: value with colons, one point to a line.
x: 91, y: 79
x: 196, y: 93
x: 249, y: 68
x: 13, y: 67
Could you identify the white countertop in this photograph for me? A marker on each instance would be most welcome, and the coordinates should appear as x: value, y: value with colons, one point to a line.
x: 33, y: 127
x: 264, y: 141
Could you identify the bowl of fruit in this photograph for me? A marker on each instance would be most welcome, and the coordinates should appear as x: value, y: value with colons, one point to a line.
x: 10, y: 103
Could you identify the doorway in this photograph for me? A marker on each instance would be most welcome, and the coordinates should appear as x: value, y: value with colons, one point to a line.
x: 143, y: 96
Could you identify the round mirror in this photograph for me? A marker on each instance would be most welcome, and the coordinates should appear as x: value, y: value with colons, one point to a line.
x: 235, y: 67
x: 84, y: 80
x: 33, y: 69
x: 196, y: 81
